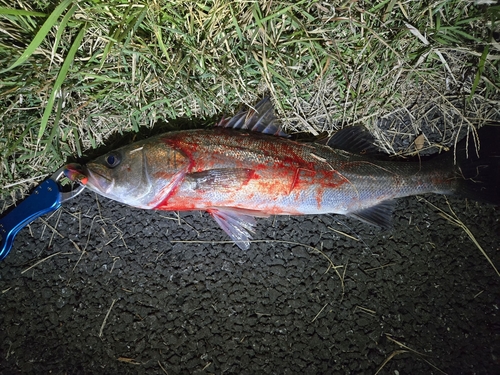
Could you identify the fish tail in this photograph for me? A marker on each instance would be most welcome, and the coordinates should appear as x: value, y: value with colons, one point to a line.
x: 480, y: 166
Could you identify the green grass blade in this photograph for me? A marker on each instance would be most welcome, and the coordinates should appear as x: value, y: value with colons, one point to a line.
x: 479, y: 72
x: 60, y: 79
x: 236, y: 26
x: 133, y: 23
x: 77, y: 142
x: 40, y: 36
x: 61, y: 28
x: 20, y: 12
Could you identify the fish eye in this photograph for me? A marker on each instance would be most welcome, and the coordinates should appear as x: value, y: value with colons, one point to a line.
x: 112, y: 160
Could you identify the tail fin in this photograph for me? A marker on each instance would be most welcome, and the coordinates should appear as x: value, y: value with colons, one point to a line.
x: 481, y: 170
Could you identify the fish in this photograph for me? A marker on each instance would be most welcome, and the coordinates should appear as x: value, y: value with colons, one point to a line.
x: 246, y: 167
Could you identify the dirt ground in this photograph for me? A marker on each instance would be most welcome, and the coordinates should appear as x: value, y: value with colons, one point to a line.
x: 127, y: 291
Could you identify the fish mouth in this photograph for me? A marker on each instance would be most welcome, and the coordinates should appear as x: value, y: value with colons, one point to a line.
x: 97, y: 180
x: 74, y: 172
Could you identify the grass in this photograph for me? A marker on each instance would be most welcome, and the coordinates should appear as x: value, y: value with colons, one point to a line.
x: 74, y: 73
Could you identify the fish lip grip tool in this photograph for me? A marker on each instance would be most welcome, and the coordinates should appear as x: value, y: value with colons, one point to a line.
x: 47, y: 197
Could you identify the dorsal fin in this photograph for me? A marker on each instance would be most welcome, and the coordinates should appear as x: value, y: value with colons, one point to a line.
x: 355, y: 139
x: 259, y: 119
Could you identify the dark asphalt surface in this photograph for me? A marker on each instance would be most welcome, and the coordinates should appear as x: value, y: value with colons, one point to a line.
x: 125, y: 293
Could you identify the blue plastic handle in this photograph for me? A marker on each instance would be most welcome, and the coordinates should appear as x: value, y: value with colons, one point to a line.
x: 44, y: 199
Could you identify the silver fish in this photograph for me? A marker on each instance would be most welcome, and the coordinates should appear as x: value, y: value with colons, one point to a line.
x: 240, y: 170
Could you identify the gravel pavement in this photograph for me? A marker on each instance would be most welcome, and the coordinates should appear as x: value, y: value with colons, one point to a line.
x: 101, y: 288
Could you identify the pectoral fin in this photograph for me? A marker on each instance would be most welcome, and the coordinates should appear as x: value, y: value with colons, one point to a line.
x: 237, y: 223
x: 225, y: 178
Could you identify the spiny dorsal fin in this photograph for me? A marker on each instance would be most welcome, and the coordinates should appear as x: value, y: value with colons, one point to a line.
x: 355, y: 139
x: 261, y: 119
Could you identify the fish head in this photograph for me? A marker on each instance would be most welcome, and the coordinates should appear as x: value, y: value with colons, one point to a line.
x: 136, y: 174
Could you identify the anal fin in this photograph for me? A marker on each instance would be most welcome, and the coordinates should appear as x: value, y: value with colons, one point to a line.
x: 379, y: 215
